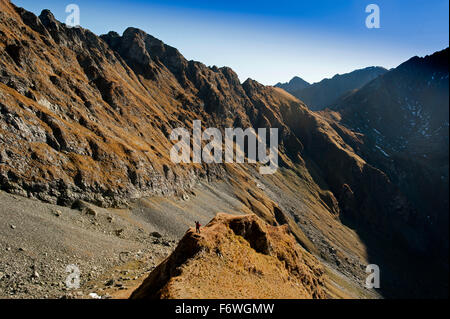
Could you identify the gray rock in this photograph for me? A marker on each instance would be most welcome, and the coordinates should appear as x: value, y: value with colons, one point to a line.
x: 155, y: 234
x: 110, y: 282
x: 166, y: 243
x: 90, y: 211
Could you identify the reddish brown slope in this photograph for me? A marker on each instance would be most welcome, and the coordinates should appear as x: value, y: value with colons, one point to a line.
x: 236, y: 257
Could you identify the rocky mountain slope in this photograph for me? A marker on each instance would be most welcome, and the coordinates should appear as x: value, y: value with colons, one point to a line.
x: 88, y: 118
x: 112, y: 249
x: 323, y: 94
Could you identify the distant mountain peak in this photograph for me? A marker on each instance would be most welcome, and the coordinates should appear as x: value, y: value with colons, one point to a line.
x: 322, y: 94
x: 296, y: 83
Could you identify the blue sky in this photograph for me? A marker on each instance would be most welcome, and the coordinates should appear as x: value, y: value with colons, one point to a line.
x: 272, y: 41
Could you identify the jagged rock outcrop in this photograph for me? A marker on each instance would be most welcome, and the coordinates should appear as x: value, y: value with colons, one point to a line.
x: 71, y: 118
x: 236, y: 257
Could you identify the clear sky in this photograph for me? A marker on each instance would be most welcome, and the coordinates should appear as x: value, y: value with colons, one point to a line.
x: 272, y: 41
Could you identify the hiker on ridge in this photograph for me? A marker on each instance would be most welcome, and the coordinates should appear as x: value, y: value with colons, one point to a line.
x: 197, y: 227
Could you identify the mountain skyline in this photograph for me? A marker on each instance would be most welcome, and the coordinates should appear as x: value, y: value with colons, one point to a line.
x: 323, y: 94
x: 316, y: 40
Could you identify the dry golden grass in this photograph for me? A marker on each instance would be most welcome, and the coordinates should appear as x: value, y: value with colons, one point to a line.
x: 228, y: 261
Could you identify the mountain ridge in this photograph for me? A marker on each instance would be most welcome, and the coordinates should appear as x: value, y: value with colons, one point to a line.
x: 296, y: 83
x: 253, y: 259
x: 323, y: 94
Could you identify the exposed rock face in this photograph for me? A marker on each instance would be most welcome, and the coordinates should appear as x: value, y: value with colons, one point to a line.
x: 236, y: 257
x: 71, y: 118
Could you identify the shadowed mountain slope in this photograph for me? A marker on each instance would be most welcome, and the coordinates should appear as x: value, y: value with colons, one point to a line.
x: 403, y: 118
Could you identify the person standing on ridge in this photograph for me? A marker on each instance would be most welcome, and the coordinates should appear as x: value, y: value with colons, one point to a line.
x: 197, y: 227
